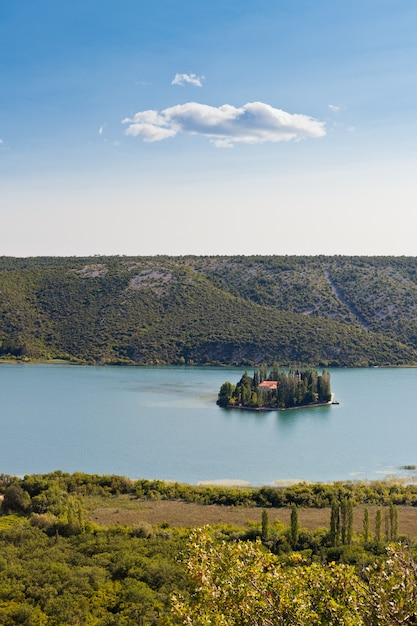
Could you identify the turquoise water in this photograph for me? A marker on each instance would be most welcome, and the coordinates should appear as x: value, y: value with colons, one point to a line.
x: 163, y: 423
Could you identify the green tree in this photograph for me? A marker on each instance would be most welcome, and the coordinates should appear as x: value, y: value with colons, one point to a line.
x: 346, y: 521
x: 334, y: 534
x: 378, y: 528
x: 387, y: 524
x: 15, y: 500
x: 391, y: 591
x: 323, y: 387
x: 225, y: 394
x: 282, y: 391
x: 239, y: 584
x: 274, y: 373
x: 393, y: 516
x: 244, y: 388
x: 295, y: 529
x: 365, y: 526
x: 265, y: 526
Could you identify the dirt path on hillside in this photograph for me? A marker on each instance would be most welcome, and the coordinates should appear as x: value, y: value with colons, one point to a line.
x: 339, y: 295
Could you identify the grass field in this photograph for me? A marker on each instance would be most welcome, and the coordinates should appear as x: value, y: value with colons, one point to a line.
x: 124, y: 510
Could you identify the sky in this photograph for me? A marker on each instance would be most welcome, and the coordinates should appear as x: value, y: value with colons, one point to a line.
x: 210, y: 128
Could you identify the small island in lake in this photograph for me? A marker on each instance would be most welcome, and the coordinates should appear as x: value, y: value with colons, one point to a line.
x: 277, y: 389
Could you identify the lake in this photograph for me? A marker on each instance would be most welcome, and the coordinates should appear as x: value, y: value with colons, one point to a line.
x: 162, y: 422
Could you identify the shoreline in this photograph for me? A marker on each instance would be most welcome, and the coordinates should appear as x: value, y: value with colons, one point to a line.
x: 74, y: 361
x: 288, y: 408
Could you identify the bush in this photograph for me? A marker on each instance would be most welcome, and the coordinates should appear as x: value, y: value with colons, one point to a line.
x: 15, y: 500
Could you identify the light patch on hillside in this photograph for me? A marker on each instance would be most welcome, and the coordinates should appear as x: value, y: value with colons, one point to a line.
x: 93, y: 271
x: 152, y: 280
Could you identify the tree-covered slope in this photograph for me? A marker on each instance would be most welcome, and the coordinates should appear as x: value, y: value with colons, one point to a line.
x: 233, y: 310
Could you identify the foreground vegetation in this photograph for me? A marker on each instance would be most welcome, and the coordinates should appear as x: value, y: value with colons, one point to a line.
x: 319, y: 311
x: 57, y: 567
x: 241, y: 584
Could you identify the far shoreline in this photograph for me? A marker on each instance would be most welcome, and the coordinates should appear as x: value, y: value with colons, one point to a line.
x: 62, y: 361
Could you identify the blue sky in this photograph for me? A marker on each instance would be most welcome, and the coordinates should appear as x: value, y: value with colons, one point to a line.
x: 221, y: 127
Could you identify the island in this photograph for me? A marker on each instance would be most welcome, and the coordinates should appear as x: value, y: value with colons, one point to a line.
x: 277, y: 389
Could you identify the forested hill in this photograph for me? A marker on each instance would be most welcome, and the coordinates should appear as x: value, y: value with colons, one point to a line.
x: 232, y: 310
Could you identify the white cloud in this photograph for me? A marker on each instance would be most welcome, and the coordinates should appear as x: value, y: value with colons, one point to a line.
x: 254, y: 122
x: 335, y: 107
x: 1, y: 140
x: 192, y: 79
x: 101, y: 130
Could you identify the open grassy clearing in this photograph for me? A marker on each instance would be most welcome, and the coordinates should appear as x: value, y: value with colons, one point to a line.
x: 124, y: 510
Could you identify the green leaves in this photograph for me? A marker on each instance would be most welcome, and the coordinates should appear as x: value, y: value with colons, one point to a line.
x: 104, y: 577
x: 238, y: 583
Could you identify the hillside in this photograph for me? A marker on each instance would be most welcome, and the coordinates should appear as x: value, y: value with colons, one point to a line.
x: 229, y: 310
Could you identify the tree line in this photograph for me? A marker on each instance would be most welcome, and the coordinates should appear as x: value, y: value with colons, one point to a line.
x: 277, y: 389
x: 38, y: 490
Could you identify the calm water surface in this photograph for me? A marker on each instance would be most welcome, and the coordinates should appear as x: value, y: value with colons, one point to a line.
x: 164, y: 423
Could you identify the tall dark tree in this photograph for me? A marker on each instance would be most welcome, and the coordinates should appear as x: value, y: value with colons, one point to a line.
x: 274, y: 373
x: 282, y: 391
x: 378, y: 528
x: 346, y: 521
x: 335, y: 523
x: 265, y: 526
x: 323, y: 387
x: 294, y: 526
x: 387, y: 524
x: 393, y: 515
x: 365, y: 526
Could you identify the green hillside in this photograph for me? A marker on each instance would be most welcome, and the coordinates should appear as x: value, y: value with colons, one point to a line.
x: 229, y: 310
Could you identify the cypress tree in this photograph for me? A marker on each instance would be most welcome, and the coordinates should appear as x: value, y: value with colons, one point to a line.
x: 274, y: 373
x: 393, y: 515
x: 334, y: 524
x: 265, y: 526
x: 294, y: 526
x: 346, y: 521
x: 365, y: 526
x: 378, y: 527
x: 387, y: 525
x: 343, y: 520
x: 323, y: 387
x: 349, y: 523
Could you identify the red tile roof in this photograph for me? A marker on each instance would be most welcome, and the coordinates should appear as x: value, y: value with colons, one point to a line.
x: 268, y: 384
